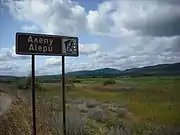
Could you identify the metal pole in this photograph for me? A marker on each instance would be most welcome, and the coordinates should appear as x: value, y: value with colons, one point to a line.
x: 33, y: 95
x: 63, y: 95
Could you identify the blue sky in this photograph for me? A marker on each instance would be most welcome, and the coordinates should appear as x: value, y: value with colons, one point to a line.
x: 118, y: 34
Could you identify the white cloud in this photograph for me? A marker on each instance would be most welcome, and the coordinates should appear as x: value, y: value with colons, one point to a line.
x: 139, y: 52
x: 113, y: 18
x: 142, y: 32
x: 88, y: 48
x: 76, y: 66
x: 30, y: 28
x: 54, y: 61
x: 122, y: 18
x: 85, y: 49
x: 8, y: 54
x: 70, y: 65
x: 8, y: 68
x: 13, y: 64
x: 61, y: 17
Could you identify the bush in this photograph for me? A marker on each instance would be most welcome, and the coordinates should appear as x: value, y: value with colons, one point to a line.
x: 69, y: 84
x: 117, y: 127
x: 118, y: 130
x: 76, y: 81
x: 20, y: 84
x: 38, y: 86
x: 98, y: 114
x: 26, y: 84
x: 75, y: 123
x: 109, y: 82
x: 121, y: 112
x: 92, y: 103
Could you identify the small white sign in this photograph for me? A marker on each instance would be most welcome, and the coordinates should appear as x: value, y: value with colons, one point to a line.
x: 70, y: 46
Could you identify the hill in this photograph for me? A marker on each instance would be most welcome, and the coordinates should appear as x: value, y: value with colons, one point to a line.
x: 157, y: 70
x: 97, y: 72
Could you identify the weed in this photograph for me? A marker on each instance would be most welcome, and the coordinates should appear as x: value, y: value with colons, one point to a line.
x: 109, y: 82
x: 75, y: 123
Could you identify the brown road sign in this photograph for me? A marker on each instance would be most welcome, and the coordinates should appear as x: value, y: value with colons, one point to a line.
x: 42, y: 44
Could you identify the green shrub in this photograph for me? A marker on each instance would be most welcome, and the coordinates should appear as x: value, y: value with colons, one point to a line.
x: 109, y: 82
x: 76, y: 81
x: 38, y: 86
x: 69, y: 84
x: 20, y: 84
x: 25, y: 84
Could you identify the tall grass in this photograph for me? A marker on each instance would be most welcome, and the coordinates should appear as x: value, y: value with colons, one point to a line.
x: 148, y: 103
x: 18, y: 121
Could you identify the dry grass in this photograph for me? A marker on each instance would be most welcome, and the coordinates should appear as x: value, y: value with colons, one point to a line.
x: 18, y: 119
x: 149, y: 102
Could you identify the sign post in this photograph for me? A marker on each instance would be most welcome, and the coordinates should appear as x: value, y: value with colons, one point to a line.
x: 48, y: 45
x: 63, y: 95
x: 33, y: 95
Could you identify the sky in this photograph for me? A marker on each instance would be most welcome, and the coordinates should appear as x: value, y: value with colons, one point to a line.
x: 118, y: 34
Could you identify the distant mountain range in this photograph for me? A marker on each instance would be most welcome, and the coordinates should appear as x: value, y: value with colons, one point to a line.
x: 97, y: 72
x: 163, y: 69
x: 157, y: 70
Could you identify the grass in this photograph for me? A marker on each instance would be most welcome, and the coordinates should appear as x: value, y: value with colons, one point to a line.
x: 18, y: 120
x: 156, y: 97
x: 153, y: 101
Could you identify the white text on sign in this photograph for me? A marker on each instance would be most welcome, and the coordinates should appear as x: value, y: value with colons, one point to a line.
x: 40, y: 44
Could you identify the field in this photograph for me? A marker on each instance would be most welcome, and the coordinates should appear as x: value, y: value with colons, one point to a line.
x: 96, y: 106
